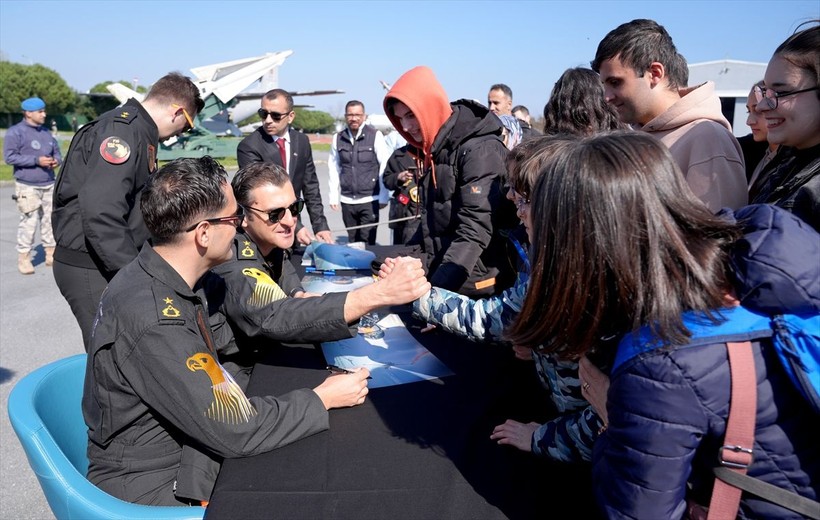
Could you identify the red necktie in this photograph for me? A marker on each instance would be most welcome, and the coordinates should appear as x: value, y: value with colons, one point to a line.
x: 282, y: 155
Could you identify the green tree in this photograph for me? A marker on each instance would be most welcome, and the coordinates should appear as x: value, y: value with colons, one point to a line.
x: 99, y: 88
x: 99, y: 100
x: 18, y: 82
x: 313, y: 121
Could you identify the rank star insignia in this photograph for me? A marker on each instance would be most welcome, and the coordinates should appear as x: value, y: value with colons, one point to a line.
x: 170, y: 311
x: 124, y: 114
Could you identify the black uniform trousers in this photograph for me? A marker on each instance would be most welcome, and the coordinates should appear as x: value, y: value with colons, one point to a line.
x: 82, y: 288
x: 358, y: 214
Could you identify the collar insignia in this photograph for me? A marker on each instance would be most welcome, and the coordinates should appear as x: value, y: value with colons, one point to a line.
x: 170, y: 311
x: 247, y: 252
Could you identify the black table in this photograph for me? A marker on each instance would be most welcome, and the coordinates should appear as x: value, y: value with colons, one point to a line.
x: 419, y: 450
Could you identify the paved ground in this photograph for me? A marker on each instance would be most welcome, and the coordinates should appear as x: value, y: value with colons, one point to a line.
x: 37, y: 327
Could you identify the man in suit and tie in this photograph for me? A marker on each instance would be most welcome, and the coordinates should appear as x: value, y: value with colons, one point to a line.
x: 275, y: 141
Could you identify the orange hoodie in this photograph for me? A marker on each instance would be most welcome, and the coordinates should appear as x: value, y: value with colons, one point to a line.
x: 419, y: 89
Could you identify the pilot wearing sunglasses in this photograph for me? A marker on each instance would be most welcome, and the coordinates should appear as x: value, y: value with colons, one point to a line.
x: 275, y: 141
x: 263, y: 299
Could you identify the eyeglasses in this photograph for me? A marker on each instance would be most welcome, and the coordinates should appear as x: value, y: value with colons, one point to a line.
x: 772, y: 96
x: 354, y: 116
x: 519, y: 200
x: 276, y: 116
x: 187, y: 118
x: 275, y: 215
x: 234, y: 220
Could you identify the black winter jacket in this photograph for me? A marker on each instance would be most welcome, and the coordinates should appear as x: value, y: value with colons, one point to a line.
x: 459, y: 196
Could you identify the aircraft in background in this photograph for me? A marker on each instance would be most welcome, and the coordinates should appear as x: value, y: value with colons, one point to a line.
x: 231, y: 91
x: 381, y: 121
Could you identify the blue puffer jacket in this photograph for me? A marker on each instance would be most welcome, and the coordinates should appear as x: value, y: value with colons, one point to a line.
x: 668, y: 407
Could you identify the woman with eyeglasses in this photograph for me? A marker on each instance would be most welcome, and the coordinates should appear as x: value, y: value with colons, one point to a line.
x: 790, y: 103
x: 757, y: 150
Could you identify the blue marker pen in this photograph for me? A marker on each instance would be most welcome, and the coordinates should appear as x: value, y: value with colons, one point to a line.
x: 326, y: 272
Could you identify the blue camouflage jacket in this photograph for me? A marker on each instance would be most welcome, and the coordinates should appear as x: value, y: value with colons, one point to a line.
x: 568, y: 437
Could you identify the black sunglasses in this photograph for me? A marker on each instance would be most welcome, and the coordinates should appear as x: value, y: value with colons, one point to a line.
x: 276, y: 116
x: 275, y: 215
x: 234, y: 220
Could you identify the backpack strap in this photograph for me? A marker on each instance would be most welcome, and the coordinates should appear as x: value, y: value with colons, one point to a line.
x: 797, y: 503
x: 736, y: 452
x: 735, y: 455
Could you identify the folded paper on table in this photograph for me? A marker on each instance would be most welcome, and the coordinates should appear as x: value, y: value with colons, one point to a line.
x: 336, y: 256
x: 322, y: 283
x: 393, y: 356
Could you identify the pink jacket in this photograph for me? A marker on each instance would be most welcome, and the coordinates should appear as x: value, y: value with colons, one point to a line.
x: 701, y: 141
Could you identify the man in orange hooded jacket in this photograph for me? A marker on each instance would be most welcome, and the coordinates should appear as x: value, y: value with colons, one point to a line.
x: 461, y: 154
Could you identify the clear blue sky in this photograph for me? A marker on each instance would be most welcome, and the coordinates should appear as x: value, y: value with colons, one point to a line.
x: 350, y: 46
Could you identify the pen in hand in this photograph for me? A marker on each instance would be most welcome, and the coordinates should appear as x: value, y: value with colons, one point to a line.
x: 339, y: 370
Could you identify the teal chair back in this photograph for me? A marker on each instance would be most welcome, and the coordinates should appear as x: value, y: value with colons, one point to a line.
x: 45, y: 408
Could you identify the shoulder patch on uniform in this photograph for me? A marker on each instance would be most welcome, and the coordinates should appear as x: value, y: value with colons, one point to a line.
x: 265, y: 290
x: 115, y: 150
x: 414, y: 193
x: 229, y: 405
x: 152, y: 158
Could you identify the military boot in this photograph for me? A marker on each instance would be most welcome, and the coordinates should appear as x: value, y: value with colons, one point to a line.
x: 24, y: 264
x: 49, y: 256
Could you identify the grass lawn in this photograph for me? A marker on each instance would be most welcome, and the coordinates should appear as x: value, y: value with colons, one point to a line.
x: 229, y: 163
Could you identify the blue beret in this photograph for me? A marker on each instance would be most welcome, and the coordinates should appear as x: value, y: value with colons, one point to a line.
x: 33, y: 104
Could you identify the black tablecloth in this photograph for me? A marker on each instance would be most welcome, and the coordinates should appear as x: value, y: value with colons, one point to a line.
x: 419, y: 450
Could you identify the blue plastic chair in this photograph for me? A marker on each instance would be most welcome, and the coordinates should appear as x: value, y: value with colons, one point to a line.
x: 46, y: 413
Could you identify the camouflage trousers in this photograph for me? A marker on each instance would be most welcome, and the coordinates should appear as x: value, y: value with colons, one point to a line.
x: 34, y: 205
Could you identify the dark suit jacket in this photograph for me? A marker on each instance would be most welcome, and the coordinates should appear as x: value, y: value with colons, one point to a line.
x: 259, y: 147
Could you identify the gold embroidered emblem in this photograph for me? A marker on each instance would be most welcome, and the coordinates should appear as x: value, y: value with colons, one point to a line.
x: 170, y: 311
x: 414, y: 193
x: 230, y: 405
x: 247, y: 252
x: 265, y: 290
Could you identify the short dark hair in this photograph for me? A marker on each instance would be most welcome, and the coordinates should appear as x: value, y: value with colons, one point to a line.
x: 503, y: 88
x: 278, y: 92
x: 254, y: 175
x: 520, y: 108
x: 176, y: 88
x: 354, y: 103
x: 577, y: 105
x: 618, y: 241
x: 638, y: 44
x: 180, y: 193
x: 802, y: 49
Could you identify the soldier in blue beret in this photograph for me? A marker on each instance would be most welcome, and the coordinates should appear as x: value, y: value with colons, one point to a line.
x: 34, y: 153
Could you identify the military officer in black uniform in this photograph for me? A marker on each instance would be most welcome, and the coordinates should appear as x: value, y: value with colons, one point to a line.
x: 154, y: 383
x: 97, y: 224
x: 259, y: 293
